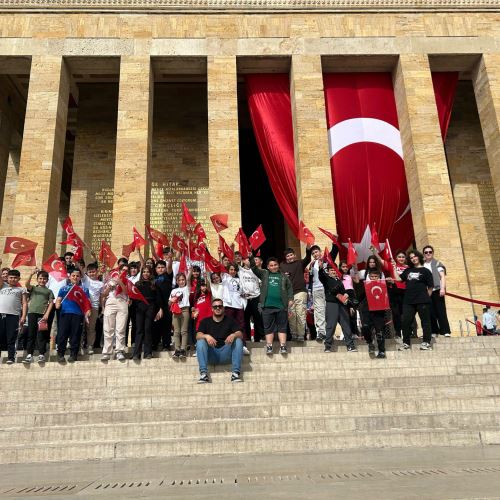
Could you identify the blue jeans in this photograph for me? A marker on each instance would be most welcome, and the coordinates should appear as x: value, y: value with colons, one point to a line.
x: 228, y: 353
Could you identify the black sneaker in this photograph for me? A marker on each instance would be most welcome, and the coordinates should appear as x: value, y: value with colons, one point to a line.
x: 204, y: 379
x: 182, y: 353
x: 381, y: 355
x: 320, y: 337
x: 148, y: 356
x: 269, y: 349
x: 235, y: 377
x: 371, y: 347
x: 61, y: 359
x: 176, y: 354
x: 71, y: 359
x: 328, y: 349
x: 11, y: 361
x: 283, y: 349
x: 352, y: 348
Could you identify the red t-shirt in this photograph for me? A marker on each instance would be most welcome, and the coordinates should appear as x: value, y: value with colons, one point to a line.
x: 204, y: 307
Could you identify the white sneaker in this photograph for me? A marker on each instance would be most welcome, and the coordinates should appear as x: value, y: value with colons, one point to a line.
x: 425, y: 346
x: 90, y: 351
x: 447, y: 334
x: 120, y: 356
x: 105, y: 357
x: 246, y: 352
x: 41, y: 358
x: 28, y: 359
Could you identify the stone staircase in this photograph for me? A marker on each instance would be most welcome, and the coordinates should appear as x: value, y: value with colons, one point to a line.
x: 308, y: 400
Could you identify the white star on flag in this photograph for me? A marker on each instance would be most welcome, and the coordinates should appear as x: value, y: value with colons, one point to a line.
x: 363, y: 247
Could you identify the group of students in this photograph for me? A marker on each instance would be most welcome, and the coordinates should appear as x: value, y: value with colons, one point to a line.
x: 263, y: 300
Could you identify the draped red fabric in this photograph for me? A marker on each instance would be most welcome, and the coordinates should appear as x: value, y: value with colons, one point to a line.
x: 367, y: 168
x: 368, y: 173
x: 445, y: 86
x: 271, y: 113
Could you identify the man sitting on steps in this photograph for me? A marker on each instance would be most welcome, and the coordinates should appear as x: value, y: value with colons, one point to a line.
x: 219, y: 340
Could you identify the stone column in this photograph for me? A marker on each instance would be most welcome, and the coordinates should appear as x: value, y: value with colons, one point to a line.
x: 223, y: 144
x: 42, y: 154
x: 5, y: 135
x: 486, y: 81
x: 431, y: 198
x: 312, y: 158
x: 132, y: 184
x: 91, y: 202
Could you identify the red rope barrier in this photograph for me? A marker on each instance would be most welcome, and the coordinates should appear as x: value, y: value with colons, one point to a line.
x: 484, y: 303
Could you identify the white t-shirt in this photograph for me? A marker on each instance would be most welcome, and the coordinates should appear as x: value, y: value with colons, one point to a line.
x: 232, y: 292
x: 250, y: 283
x: 135, y: 279
x: 11, y: 299
x: 317, y: 285
x: 182, y: 293
x: 55, y: 285
x: 95, y: 288
x: 217, y: 290
x: 440, y: 269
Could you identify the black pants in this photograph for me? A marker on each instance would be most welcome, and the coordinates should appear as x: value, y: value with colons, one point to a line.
x: 9, y: 326
x: 70, y: 327
x: 396, y: 296
x: 439, y: 318
x: 33, y: 319
x: 337, y: 313
x: 162, y: 330
x: 144, y: 319
x: 376, y: 324
x: 424, y: 313
x: 252, y: 311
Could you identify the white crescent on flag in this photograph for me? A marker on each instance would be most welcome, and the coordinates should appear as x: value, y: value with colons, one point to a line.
x: 356, y: 130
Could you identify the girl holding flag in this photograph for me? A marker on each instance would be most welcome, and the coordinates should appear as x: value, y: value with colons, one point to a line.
x: 74, y: 305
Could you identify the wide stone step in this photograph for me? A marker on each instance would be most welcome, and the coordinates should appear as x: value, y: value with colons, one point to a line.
x: 254, y: 443
x: 202, y: 396
x: 94, y: 412
x: 220, y: 428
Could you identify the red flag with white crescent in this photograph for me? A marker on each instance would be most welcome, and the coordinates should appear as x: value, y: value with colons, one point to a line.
x: 328, y: 259
x: 187, y: 218
x: 375, y: 240
x: 212, y: 264
x: 14, y: 244
x: 157, y: 236
x: 219, y: 221
x: 200, y: 232
x: 257, y: 238
x: 183, y: 268
x: 134, y: 293
x: 367, y: 157
x: 352, y: 255
x: 226, y: 249
x: 376, y: 295
x: 55, y: 267
x: 305, y: 235
x: 24, y: 259
x: 330, y: 235
x: 178, y: 244
x: 76, y: 294
x: 128, y: 249
x: 139, y: 240
x: 106, y: 255
x: 243, y: 244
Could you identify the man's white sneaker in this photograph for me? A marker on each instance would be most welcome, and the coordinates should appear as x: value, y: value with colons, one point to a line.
x: 246, y: 352
x: 120, y: 356
x: 28, y: 359
x: 404, y: 347
x: 425, y: 346
x: 447, y: 334
x: 90, y: 351
x: 41, y: 358
x: 105, y: 357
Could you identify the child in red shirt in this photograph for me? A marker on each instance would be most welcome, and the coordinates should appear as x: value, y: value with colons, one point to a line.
x: 203, y: 307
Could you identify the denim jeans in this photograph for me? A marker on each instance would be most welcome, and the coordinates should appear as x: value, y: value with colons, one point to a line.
x: 229, y: 353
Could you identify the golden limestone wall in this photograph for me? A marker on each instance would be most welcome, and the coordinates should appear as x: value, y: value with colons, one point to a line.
x: 91, y: 202
x: 477, y: 211
x: 221, y: 39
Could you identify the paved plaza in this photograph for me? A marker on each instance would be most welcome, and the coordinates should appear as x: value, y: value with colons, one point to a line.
x: 396, y: 473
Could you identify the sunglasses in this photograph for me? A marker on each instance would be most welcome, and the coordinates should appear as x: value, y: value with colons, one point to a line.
x: 217, y: 307
x: 428, y: 251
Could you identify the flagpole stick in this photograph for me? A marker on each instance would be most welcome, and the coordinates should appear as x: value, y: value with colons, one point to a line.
x: 64, y: 298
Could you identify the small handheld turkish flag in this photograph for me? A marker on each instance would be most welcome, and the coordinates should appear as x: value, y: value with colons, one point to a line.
x: 106, y: 255
x: 328, y: 259
x: 257, y: 238
x: 183, y: 268
x: 76, y: 294
x: 157, y: 235
x: 178, y: 244
x: 187, y: 218
x: 14, y: 244
x: 376, y: 295
x: 67, y: 225
x: 139, y: 241
x: 159, y: 250
x: 219, y: 221
x: 212, y: 264
x: 330, y: 235
x: 375, y: 240
x: 24, y: 259
x: 243, y: 244
x: 305, y: 234
x: 198, y: 252
x: 134, y: 293
x: 226, y: 249
x: 200, y: 232
x: 352, y: 255
x: 55, y: 267
x: 128, y: 249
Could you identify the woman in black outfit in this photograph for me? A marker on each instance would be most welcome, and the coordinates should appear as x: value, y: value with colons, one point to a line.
x: 146, y: 314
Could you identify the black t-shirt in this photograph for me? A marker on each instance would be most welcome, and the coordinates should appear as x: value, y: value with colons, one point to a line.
x: 418, y: 279
x: 221, y: 330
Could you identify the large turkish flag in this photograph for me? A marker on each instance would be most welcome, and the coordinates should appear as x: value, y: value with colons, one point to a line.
x: 366, y: 157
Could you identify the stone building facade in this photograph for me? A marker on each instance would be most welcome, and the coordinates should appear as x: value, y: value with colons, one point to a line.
x: 114, y: 111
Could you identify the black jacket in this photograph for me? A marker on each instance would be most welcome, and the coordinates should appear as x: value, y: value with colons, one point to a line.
x: 332, y: 286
